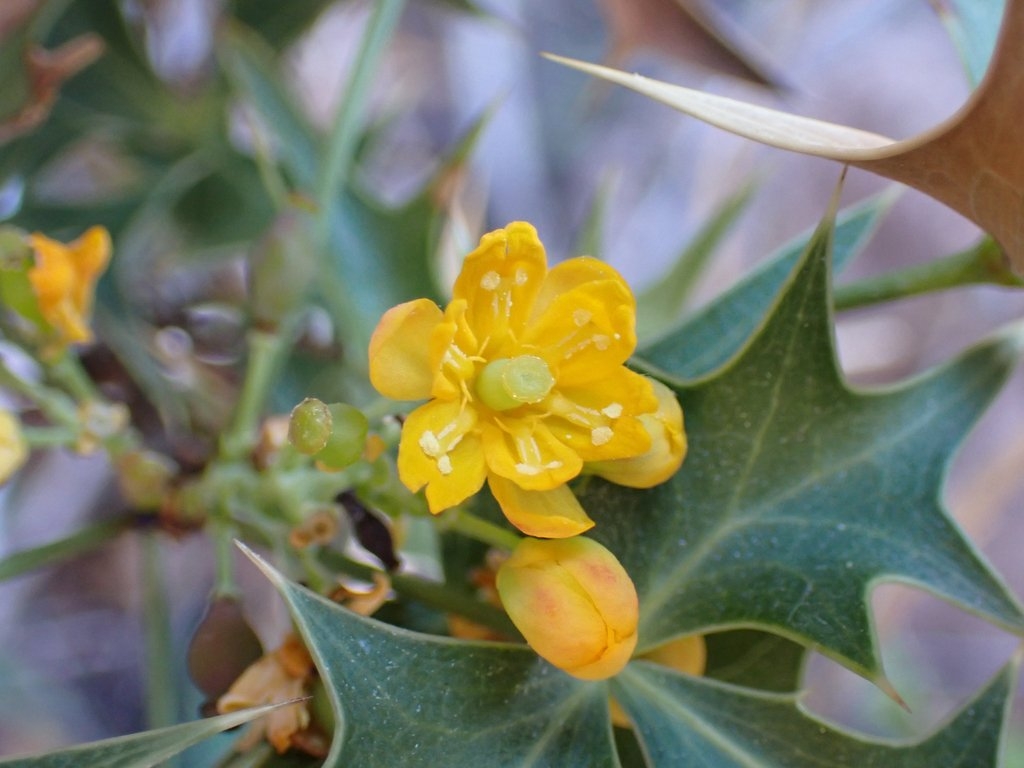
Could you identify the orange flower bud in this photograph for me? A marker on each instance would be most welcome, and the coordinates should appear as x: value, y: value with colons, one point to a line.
x: 574, y: 603
x: 667, y: 451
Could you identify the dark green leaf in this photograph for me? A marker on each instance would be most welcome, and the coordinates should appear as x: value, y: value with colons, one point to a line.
x: 251, y: 69
x: 138, y: 750
x: 695, y: 721
x: 714, y: 334
x: 799, y: 494
x: 278, y: 23
x: 408, y: 699
x: 754, y: 659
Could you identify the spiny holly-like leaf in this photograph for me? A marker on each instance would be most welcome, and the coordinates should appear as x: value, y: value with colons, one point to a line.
x: 799, y: 494
x: 712, y: 336
x: 404, y: 698
x: 696, y: 721
x: 754, y: 659
x: 973, y: 162
x: 139, y: 750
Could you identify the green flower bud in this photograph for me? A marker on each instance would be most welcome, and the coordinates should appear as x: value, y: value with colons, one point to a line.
x: 310, y: 426
x: 347, y: 438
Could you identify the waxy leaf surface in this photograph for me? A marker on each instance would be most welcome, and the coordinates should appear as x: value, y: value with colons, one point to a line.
x: 799, y: 494
x: 695, y: 721
x: 139, y: 750
x: 418, y: 700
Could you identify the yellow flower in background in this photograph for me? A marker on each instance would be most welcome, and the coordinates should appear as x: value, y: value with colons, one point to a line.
x: 526, y: 379
x: 64, y: 279
x: 574, y: 603
x: 13, y: 448
x: 668, y: 447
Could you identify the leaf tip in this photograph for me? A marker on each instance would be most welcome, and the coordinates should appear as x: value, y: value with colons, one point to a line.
x: 267, y: 569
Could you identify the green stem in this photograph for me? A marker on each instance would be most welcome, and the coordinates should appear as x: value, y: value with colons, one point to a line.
x: 348, y: 119
x: 264, y: 351
x: 342, y: 143
x: 224, y: 558
x: 53, y: 403
x: 982, y: 264
x: 429, y: 593
x: 470, y: 525
x: 161, y: 709
x: 49, y: 437
x: 67, y: 371
x: 58, y: 551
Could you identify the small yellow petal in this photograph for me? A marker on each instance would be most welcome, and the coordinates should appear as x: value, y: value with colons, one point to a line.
x: 13, y: 448
x: 667, y: 451
x: 64, y: 279
x: 400, y: 350
x: 499, y: 281
x: 553, y: 514
x: 687, y: 654
x: 568, y: 276
x: 90, y: 255
x: 440, y: 449
x: 587, y: 332
x: 452, y: 349
x: 525, y: 451
x: 53, y: 275
x: 574, y: 603
x: 599, y: 421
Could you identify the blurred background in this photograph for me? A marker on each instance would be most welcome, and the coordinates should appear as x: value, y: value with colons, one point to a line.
x: 593, y: 167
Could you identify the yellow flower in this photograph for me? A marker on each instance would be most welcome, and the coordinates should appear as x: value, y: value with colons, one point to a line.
x: 13, y: 449
x: 574, y: 603
x: 668, y: 447
x: 526, y: 379
x: 64, y: 278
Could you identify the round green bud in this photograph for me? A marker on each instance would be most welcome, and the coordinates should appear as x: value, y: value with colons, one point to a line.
x: 347, y: 439
x: 310, y: 426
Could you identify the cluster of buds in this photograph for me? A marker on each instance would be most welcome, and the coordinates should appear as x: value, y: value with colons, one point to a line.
x: 334, y: 435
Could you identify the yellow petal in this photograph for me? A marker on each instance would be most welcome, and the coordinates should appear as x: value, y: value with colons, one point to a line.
x: 574, y: 603
x: 600, y: 421
x: 587, y: 332
x: 90, y: 255
x: 524, y: 450
x: 53, y: 275
x: 452, y: 350
x: 568, y: 276
x: 400, y: 350
x: 13, y: 448
x: 687, y: 654
x: 499, y: 281
x: 440, y: 449
x: 667, y: 449
x: 553, y: 514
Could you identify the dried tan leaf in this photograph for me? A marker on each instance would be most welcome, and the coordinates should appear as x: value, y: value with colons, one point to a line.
x: 46, y: 70
x: 973, y: 162
x: 688, y: 30
x: 14, y: 14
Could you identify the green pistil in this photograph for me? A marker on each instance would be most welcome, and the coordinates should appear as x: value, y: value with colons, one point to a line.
x: 510, y: 382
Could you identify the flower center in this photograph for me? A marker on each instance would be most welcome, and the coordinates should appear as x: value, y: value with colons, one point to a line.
x: 510, y: 382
